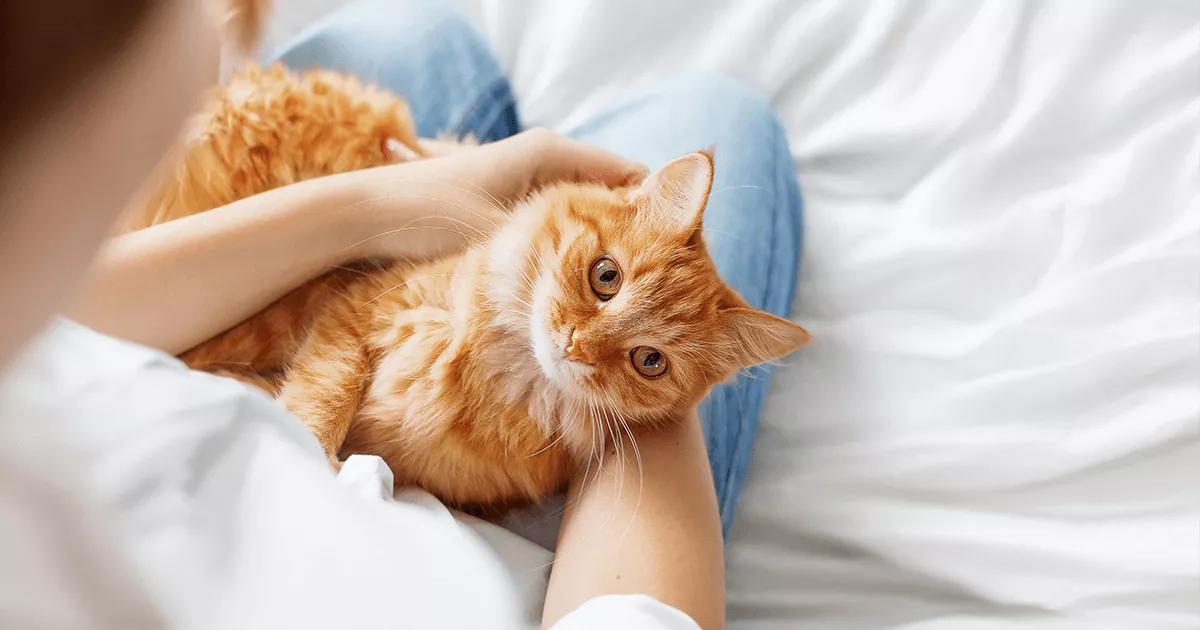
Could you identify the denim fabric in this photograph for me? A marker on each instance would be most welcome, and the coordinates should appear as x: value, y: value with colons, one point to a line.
x: 422, y: 49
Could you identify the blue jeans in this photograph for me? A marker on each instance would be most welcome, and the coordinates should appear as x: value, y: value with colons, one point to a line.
x: 427, y: 52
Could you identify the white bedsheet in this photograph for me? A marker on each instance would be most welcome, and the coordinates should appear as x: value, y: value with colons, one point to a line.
x: 997, y: 425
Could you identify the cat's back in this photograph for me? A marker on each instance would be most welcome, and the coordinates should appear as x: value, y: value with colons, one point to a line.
x: 269, y: 127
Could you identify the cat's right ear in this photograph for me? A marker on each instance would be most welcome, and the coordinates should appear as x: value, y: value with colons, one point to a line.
x: 673, y: 198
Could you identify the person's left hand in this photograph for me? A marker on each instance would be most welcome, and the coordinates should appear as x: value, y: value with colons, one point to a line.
x: 510, y: 168
x: 468, y: 189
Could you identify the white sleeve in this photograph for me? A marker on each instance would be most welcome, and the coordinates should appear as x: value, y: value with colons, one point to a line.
x: 630, y: 612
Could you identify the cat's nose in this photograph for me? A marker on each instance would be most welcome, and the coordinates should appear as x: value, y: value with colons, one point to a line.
x: 576, y: 348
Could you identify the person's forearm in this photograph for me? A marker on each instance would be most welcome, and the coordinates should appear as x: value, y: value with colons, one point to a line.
x: 176, y: 284
x: 661, y: 538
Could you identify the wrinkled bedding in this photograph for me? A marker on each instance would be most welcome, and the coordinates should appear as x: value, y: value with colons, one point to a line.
x: 997, y: 427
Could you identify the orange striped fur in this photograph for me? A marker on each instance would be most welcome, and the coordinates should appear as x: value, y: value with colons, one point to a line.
x: 487, y: 376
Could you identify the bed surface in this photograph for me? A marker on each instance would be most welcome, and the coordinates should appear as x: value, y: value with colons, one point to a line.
x: 997, y: 425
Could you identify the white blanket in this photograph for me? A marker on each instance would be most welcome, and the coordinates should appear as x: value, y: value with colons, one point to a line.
x: 997, y: 427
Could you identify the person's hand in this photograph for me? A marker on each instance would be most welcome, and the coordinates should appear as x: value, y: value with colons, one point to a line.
x: 513, y: 167
x: 465, y: 191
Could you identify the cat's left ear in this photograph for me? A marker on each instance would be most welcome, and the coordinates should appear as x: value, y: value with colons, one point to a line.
x: 673, y: 198
x: 760, y: 337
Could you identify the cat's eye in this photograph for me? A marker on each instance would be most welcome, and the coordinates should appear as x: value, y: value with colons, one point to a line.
x: 605, y: 278
x: 649, y: 362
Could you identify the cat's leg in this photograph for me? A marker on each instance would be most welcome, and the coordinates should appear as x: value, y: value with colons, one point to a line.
x: 424, y: 50
x: 327, y: 379
x: 267, y: 383
x: 752, y: 224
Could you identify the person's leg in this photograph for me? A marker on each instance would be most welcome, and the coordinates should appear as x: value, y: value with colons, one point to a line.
x: 752, y: 223
x: 423, y: 50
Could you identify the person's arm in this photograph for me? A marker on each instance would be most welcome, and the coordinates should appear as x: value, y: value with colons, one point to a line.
x: 176, y: 284
x: 663, y: 541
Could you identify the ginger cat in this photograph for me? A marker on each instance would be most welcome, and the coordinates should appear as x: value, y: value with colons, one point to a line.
x: 487, y: 376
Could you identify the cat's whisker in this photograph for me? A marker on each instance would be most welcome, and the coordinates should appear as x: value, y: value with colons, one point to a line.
x: 602, y: 414
x: 390, y: 196
x: 562, y: 432
x: 608, y: 428
x: 591, y: 449
x: 436, y: 200
x: 470, y: 241
x: 403, y: 284
x: 637, y: 454
x: 601, y: 443
x: 537, y: 256
x: 361, y: 272
x: 619, y: 443
x: 490, y: 201
x: 619, y: 439
x: 363, y: 202
x: 517, y: 314
x: 603, y: 446
x: 529, y: 284
x: 406, y: 228
x: 623, y: 422
x: 637, y: 505
x: 522, y: 301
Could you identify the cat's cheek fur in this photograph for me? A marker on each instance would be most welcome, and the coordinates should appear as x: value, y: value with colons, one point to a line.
x: 548, y: 341
x: 545, y: 349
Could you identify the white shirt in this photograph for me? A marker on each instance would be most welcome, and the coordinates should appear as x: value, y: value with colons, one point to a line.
x: 137, y: 493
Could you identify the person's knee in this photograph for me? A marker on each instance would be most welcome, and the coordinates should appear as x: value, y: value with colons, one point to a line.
x: 376, y: 26
x: 423, y: 50
x: 750, y: 142
x: 722, y: 95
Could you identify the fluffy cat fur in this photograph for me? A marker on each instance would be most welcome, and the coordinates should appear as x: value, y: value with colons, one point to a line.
x: 486, y: 376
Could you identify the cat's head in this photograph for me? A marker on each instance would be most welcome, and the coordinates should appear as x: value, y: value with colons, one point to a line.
x: 627, y: 309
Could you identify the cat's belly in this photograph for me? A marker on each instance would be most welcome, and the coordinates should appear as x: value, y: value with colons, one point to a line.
x: 439, y: 430
x: 459, y: 460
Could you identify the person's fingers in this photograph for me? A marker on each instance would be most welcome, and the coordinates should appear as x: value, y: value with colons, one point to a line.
x: 563, y: 158
x: 593, y: 163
